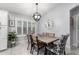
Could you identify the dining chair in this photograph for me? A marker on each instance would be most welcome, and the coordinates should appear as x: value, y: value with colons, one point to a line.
x: 40, y: 45
x: 32, y: 44
x: 53, y: 34
x: 29, y: 41
x: 35, y: 45
x: 44, y: 34
x: 59, y: 49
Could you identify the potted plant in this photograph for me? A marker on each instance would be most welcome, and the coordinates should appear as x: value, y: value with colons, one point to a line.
x: 11, y: 38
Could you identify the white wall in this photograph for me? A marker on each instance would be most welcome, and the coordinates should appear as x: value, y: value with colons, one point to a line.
x: 22, y: 18
x: 61, y: 17
x: 16, y: 17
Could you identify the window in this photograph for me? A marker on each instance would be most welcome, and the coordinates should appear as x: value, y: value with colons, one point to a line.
x: 33, y: 27
x: 19, y: 27
x: 24, y: 27
x: 29, y: 27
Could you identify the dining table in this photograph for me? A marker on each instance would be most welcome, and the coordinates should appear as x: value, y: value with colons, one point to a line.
x: 46, y: 40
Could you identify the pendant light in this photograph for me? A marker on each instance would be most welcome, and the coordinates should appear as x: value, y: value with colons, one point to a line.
x: 36, y: 15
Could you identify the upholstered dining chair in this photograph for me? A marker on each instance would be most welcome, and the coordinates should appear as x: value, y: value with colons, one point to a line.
x: 58, y: 49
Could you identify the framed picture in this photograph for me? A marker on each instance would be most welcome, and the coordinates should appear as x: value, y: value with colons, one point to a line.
x: 50, y: 24
x: 12, y: 23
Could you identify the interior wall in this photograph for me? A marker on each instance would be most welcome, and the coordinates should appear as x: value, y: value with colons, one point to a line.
x: 61, y: 17
x: 3, y: 29
x: 17, y: 17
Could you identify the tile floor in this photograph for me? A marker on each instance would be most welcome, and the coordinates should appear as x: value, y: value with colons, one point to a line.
x: 21, y: 49
x: 74, y: 52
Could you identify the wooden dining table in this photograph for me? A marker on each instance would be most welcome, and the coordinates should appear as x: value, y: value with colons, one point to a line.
x: 46, y: 40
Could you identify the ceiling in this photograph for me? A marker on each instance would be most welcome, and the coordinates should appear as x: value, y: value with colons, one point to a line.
x: 27, y: 8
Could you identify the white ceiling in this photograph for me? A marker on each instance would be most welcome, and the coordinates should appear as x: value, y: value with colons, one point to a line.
x: 27, y: 8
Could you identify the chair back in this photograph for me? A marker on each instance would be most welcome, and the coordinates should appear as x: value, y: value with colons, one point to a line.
x: 37, y: 41
x: 31, y: 39
x: 64, y: 39
x: 51, y: 34
x: 28, y: 37
x: 63, y: 43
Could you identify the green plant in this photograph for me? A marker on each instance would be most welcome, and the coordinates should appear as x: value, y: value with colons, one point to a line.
x: 11, y: 36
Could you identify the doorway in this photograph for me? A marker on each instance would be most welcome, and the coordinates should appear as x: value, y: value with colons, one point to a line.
x: 74, y: 28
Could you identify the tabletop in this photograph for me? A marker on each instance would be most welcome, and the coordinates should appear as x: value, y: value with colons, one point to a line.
x: 46, y: 39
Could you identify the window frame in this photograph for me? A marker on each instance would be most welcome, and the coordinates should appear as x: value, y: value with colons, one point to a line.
x: 22, y: 34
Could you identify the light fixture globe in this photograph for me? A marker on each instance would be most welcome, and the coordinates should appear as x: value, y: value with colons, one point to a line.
x: 36, y: 16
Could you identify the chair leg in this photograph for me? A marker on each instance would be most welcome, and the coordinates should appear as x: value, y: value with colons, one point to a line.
x: 38, y: 52
x: 31, y: 51
x: 28, y: 46
x: 64, y: 53
x: 45, y: 53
